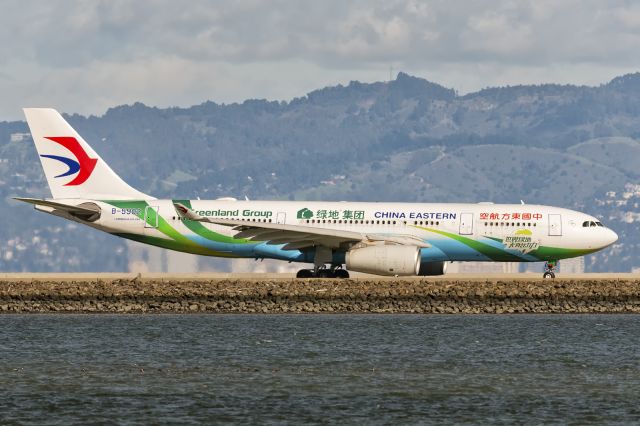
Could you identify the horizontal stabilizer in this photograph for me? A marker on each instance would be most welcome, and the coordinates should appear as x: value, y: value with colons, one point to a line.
x: 85, y: 211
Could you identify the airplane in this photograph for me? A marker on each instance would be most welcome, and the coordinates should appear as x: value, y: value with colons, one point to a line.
x: 391, y: 239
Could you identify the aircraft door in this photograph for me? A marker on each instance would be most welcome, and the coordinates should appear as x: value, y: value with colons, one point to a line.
x: 466, y: 224
x: 555, y: 224
x: 281, y: 218
x: 151, y: 217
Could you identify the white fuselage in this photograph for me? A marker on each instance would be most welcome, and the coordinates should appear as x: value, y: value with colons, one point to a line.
x: 491, y: 232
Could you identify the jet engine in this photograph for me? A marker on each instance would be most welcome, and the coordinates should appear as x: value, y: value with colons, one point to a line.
x: 433, y: 268
x: 384, y: 260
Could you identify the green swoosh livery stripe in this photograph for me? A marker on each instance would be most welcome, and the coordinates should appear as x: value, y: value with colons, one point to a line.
x: 554, y: 253
x: 199, y: 229
x: 152, y: 215
x: 491, y: 252
x: 180, y: 242
x: 173, y: 245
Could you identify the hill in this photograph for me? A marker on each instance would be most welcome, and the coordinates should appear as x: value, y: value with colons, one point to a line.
x: 404, y: 140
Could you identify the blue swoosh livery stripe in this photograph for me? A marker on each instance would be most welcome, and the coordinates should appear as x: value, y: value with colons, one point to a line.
x: 74, y: 166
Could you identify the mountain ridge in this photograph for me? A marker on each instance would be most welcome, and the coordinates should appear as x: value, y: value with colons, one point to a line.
x: 360, y: 141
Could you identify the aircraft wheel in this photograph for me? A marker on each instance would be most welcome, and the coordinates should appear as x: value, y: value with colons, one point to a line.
x: 342, y: 273
x: 304, y: 273
x: 548, y: 275
x: 325, y: 273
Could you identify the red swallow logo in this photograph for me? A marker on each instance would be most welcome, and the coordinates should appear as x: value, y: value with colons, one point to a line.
x: 84, y: 166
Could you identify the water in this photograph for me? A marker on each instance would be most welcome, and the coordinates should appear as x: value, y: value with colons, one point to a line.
x: 336, y: 369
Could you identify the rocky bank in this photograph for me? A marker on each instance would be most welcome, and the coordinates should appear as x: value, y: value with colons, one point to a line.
x: 320, y: 296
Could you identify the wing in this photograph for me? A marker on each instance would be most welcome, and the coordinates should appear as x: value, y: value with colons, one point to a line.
x: 296, y: 237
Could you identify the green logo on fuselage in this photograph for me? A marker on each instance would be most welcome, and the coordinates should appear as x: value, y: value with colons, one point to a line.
x: 304, y: 214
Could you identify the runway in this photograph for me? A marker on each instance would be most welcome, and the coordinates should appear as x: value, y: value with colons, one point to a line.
x: 205, y: 276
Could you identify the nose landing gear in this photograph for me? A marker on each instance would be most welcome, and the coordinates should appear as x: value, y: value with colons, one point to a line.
x: 549, y: 269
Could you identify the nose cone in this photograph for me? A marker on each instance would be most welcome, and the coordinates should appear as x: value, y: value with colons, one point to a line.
x: 609, y: 237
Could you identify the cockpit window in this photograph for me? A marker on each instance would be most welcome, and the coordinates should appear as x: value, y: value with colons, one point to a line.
x: 590, y: 223
x: 599, y: 224
x: 585, y: 224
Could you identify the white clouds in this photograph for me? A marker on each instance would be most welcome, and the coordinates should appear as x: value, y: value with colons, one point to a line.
x: 88, y: 55
x: 170, y: 81
x: 365, y: 36
x: 497, y: 34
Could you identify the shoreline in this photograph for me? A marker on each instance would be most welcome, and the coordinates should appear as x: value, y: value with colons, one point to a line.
x: 286, y: 295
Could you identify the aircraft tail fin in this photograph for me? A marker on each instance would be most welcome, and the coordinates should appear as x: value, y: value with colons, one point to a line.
x: 72, y: 168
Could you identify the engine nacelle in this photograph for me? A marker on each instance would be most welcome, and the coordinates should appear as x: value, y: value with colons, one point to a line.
x: 384, y: 260
x: 433, y: 268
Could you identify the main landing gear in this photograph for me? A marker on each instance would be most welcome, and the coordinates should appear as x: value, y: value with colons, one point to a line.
x: 323, y: 257
x: 549, y: 269
x: 323, y: 272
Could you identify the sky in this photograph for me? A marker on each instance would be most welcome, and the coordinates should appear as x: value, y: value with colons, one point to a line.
x: 85, y: 56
